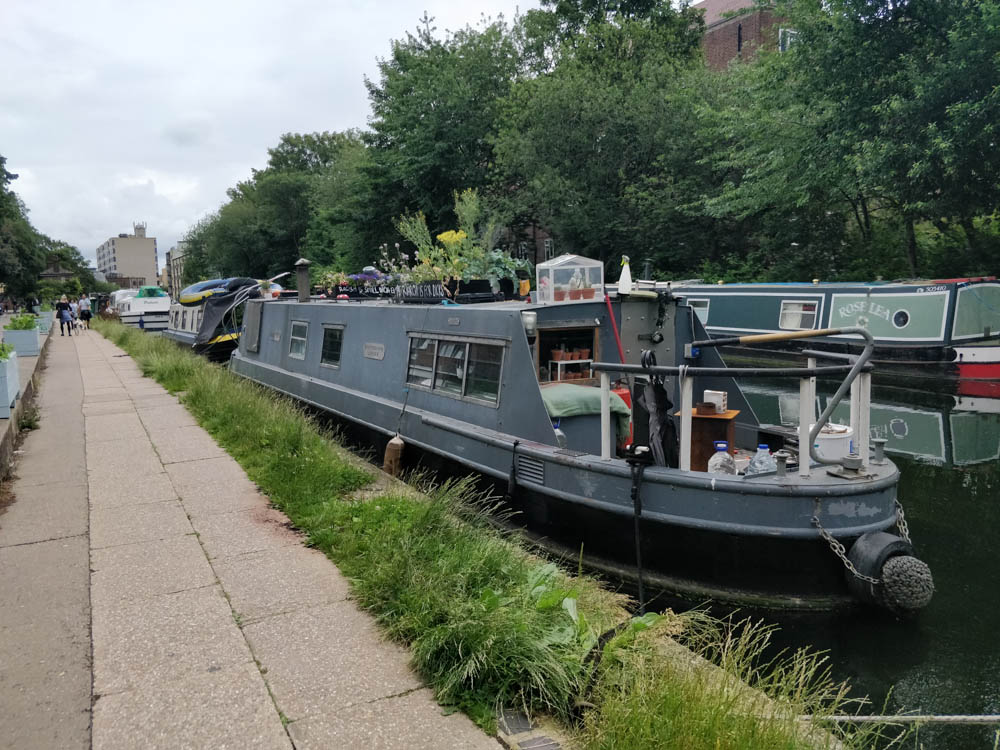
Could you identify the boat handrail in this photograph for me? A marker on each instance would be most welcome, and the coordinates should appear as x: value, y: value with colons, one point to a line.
x: 860, y: 396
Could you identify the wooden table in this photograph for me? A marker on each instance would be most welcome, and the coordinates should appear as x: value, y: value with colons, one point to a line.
x: 706, y: 429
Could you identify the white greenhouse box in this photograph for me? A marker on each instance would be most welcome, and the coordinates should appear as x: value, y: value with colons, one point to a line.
x: 569, y: 278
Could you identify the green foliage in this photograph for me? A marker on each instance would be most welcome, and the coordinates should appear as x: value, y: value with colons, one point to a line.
x: 435, y: 110
x: 21, y: 323
x: 5, y: 351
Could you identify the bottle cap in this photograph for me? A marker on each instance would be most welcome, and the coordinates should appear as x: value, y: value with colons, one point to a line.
x: 763, y: 446
x: 721, y: 445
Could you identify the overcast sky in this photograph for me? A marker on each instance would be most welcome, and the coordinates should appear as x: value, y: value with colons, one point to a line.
x: 115, y: 111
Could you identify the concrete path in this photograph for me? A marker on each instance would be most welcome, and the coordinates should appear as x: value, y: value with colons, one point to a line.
x: 212, y: 625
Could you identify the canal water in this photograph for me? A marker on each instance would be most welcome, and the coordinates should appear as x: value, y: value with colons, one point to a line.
x: 947, y: 659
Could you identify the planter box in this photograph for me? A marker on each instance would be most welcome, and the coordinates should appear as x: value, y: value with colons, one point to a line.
x: 26, y: 343
x: 10, y: 385
x: 44, y: 322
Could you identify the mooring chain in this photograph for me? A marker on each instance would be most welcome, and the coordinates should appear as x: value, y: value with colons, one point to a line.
x: 840, y: 551
x: 904, y: 530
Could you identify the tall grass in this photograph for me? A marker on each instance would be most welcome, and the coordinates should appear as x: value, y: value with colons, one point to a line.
x: 489, y: 623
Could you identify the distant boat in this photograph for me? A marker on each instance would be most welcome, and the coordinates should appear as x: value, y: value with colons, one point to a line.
x: 148, y: 308
x: 944, y: 327
x: 208, y: 315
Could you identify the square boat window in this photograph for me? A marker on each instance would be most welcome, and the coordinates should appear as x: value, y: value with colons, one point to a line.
x: 797, y: 315
x: 332, y: 340
x: 297, y: 341
x: 449, y: 374
x: 700, y: 307
x: 420, y: 370
x: 483, y: 380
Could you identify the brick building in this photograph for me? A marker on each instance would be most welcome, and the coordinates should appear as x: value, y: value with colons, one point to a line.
x: 728, y: 36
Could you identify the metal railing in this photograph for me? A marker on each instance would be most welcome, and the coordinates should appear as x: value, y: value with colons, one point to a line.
x: 857, y: 380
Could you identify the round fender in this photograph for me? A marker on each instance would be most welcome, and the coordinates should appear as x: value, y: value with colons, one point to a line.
x: 868, y: 554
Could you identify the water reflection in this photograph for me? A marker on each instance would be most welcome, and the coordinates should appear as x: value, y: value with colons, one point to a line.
x: 947, y: 660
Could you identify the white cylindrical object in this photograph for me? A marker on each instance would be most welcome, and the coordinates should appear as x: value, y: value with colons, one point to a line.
x: 687, y: 399
x: 605, y: 415
x: 834, y: 441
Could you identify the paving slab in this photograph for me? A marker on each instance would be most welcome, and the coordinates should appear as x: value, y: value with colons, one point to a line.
x: 413, y: 721
x: 108, y: 407
x: 275, y: 581
x: 165, y: 417
x: 164, y: 638
x: 225, y: 535
x: 47, y: 511
x: 131, y: 524
x: 104, y: 427
x: 110, y: 491
x: 97, y: 395
x: 228, y: 709
x: 147, y: 569
x: 44, y: 583
x: 329, y: 657
x: 123, y: 457
x: 45, y: 687
x: 45, y: 464
x: 189, y: 443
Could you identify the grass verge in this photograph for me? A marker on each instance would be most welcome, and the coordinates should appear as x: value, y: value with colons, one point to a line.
x: 487, y: 622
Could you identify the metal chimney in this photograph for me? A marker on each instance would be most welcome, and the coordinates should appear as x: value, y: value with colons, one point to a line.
x: 302, y: 278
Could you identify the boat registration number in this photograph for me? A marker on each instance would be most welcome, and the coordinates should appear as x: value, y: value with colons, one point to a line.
x: 374, y: 351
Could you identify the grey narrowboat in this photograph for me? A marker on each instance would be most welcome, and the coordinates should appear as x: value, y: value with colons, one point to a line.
x: 948, y: 327
x: 522, y: 394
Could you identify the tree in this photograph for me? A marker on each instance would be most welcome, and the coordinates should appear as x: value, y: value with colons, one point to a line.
x: 21, y: 255
x: 435, y: 110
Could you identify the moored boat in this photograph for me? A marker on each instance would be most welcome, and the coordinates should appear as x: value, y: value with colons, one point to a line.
x: 946, y: 327
x: 148, y: 309
x: 207, y: 315
x: 473, y: 385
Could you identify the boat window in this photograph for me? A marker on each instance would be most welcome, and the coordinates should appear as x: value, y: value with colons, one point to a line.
x: 333, y: 337
x: 184, y: 319
x: 421, y: 367
x: 449, y: 374
x: 700, y: 307
x: 297, y: 341
x: 797, y: 315
x: 483, y: 380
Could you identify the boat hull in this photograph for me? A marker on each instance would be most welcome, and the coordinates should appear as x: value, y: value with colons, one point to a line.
x: 147, y: 321
x: 740, y: 540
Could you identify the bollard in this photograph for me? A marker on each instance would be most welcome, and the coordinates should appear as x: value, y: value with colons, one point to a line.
x: 879, y: 457
x: 781, y: 461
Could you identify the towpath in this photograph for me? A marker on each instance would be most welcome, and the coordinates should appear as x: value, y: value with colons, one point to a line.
x: 150, y: 597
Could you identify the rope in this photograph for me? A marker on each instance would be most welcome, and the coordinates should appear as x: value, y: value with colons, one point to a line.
x: 909, y: 719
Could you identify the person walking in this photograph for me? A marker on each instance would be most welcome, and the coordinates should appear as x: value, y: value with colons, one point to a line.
x: 65, y: 314
x: 84, y: 310
x: 73, y: 311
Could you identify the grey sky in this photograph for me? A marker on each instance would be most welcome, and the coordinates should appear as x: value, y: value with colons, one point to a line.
x: 113, y: 111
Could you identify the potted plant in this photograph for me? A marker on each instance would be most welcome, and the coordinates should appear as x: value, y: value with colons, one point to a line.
x: 588, y: 290
x: 558, y: 293
x: 22, y: 333
x: 10, y: 386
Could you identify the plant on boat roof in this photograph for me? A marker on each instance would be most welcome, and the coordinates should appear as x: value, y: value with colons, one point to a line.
x: 459, y: 254
x: 21, y: 323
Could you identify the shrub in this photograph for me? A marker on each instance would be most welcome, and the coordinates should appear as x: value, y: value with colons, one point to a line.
x: 21, y: 323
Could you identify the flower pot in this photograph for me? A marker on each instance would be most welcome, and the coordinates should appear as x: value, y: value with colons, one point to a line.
x: 575, y: 293
x: 584, y: 353
x: 588, y: 293
x: 558, y: 294
x: 557, y: 355
x: 10, y: 387
x: 26, y: 343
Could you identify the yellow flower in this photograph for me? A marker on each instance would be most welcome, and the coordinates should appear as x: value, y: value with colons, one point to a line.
x: 451, y: 237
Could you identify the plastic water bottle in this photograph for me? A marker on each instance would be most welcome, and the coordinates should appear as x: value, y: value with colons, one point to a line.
x: 762, y: 461
x: 721, y: 462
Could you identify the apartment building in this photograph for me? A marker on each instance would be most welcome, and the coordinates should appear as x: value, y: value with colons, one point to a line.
x: 175, y: 269
x: 131, y: 256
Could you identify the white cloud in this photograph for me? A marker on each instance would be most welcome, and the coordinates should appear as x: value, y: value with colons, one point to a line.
x: 115, y: 111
